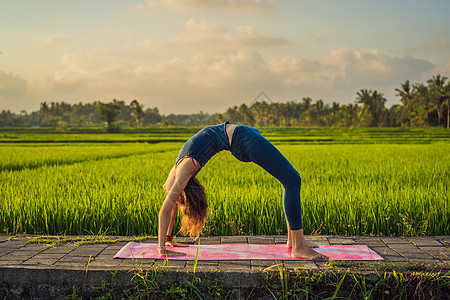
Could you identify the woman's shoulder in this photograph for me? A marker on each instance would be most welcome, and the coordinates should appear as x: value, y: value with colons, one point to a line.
x: 188, y: 164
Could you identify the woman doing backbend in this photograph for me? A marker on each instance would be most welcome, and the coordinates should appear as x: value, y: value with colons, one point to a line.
x: 246, y: 144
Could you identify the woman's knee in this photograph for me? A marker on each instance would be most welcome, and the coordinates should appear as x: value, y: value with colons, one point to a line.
x: 293, y: 180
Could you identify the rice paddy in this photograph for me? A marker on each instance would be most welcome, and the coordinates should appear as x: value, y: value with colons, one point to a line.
x: 397, y: 186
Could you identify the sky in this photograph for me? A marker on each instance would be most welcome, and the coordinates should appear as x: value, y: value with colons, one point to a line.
x: 187, y: 56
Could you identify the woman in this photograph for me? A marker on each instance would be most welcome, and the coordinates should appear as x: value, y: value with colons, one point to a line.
x: 246, y: 144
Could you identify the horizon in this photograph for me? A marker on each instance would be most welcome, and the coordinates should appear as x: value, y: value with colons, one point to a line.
x: 184, y: 57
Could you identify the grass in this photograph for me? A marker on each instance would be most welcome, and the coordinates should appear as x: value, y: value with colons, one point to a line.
x: 392, y: 188
x: 54, y: 241
x: 153, y: 283
x: 275, y: 134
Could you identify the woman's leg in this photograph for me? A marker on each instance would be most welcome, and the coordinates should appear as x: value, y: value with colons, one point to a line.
x: 289, y: 241
x: 267, y: 156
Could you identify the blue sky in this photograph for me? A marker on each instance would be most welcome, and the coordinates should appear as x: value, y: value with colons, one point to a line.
x: 186, y: 56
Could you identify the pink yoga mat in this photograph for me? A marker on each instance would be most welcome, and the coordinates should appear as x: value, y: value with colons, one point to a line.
x: 246, y: 252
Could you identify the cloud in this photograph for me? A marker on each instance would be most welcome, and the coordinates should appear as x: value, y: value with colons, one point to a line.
x: 223, y: 6
x: 371, y: 68
x: 200, y: 35
x: 214, y: 82
x: 442, y: 69
x: 13, y: 91
x: 175, y: 85
x: 340, y: 73
x: 51, y: 42
x: 297, y: 71
x: 11, y: 85
x: 443, y: 43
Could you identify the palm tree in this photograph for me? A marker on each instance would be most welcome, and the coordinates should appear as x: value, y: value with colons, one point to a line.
x: 446, y: 102
x: 373, y: 106
x: 419, y: 113
x: 406, y: 98
x: 138, y: 111
x: 405, y: 93
x: 245, y: 112
x: 437, y: 97
x: 109, y: 112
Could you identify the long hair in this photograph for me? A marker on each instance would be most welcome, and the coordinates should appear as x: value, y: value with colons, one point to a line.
x: 194, y: 208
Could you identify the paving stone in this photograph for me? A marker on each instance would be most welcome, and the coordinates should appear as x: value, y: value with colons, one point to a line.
x: 11, y: 262
x: 339, y: 241
x: 210, y: 264
x: 39, y: 261
x: 227, y: 265
x: 322, y: 265
x: 369, y: 241
x: 65, y: 248
x: 440, y: 252
x: 70, y: 265
x: 402, y: 245
x: 422, y: 260
x: 442, y: 266
x: 107, y: 253
x: 173, y: 264
x: 210, y: 241
x: 383, y: 250
x: 138, y: 264
x: 105, y: 263
x: 103, y: 256
x: 388, y: 254
x: 281, y: 240
x: 320, y: 237
x: 234, y: 240
x: 119, y: 244
x: 75, y: 259
x: 445, y: 261
x: 300, y: 264
x: 188, y: 240
x: 262, y: 264
x: 425, y: 241
x: 15, y: 244
x: 261, y: 241
x: 114, y: 247
x: 33, y: 247
x: 395, y: 240
x: 87, y: 250
x: 408, y: 253
x: 424, y: 256
x: 323, y: 241
x: 4, y: 252
x: 18, y: 256
x: 150, y: 240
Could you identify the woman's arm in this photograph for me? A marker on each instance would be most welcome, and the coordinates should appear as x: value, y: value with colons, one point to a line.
x: 172, y: 219
x: 183, y: 173
x: 164, y: 220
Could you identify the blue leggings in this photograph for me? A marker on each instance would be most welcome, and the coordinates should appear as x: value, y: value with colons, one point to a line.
x: 263, y: 153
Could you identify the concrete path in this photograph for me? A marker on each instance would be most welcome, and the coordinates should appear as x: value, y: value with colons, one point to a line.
x: 25, y: 263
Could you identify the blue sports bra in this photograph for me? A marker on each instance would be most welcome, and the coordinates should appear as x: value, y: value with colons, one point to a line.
x: 205, y: 144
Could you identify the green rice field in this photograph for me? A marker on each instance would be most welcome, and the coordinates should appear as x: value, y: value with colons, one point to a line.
x: 354, y: 182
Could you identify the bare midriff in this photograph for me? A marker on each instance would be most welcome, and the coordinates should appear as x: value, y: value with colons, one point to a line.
x: 230, y: 129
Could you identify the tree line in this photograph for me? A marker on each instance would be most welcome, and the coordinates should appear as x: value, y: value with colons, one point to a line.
x: 420, y: 105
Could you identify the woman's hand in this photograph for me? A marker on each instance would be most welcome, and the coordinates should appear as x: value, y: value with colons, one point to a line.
x: 175, y: 244
x: 168, y: 253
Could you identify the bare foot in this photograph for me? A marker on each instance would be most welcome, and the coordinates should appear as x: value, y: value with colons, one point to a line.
x: 310, y: 244
x: 176, y: 244
x: 307, y: 253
